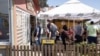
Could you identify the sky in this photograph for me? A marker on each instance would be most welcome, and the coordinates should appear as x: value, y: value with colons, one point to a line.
x: 92, y: 3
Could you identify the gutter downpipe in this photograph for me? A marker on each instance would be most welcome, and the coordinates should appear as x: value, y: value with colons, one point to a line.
x: 11, y: 23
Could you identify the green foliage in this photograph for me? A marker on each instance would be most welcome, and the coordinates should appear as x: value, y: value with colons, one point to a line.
x: 43, y: 3
x: 90, y: 46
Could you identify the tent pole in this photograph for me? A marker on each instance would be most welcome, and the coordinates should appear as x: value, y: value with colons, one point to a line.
x: 46, y: 27
x: 82, y: 30
x: 68, y: 23
x: 73, y: 25
x: 73, y: 22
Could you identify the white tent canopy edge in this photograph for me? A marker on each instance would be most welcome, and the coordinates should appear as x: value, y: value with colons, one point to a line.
x: 72, y: 9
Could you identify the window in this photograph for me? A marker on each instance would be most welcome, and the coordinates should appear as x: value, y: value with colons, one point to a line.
x: 4, y: 20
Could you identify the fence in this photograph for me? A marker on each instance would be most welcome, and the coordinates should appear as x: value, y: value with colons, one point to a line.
x: 53, y: 50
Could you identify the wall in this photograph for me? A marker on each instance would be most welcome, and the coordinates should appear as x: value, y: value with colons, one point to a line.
x: 22, y: 12
x: 25, y: 5
x: 22, y: 27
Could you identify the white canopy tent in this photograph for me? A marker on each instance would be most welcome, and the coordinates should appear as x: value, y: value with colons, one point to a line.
x: 94, y: 20
x: 73, y: 9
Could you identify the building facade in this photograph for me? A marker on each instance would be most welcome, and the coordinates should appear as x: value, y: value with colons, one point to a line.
x: 15, y: 21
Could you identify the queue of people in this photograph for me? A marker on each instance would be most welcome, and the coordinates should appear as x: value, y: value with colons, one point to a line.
x: 71, y: 35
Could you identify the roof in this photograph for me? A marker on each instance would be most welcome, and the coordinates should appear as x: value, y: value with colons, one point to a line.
x: 36, y: 4
x: 72, y: 7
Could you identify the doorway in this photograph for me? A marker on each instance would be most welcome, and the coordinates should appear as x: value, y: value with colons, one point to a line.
x: 32, y: 24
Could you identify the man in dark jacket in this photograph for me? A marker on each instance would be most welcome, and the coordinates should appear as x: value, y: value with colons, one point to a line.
x: 37, y: 34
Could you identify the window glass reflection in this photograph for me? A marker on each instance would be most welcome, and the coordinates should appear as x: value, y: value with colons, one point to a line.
x: 4, y: 21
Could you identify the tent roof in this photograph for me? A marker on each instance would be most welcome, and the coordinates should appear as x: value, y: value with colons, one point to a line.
x: 71, y: 7
x: 94, y: 20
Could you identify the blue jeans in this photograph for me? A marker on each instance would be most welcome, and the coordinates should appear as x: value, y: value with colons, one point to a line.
x: 38, y: 42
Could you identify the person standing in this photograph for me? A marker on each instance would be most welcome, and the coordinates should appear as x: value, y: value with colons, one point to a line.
x: 52, y: 29
x: 51, y: 34
x: 92, y: 33
x: 64, y: 35
x: 57, y: 36
x: 78, y: 32
x: 84, y: 36
x: 37, y: 34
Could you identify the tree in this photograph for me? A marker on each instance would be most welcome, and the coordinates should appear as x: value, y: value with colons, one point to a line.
x: 43, y: 3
